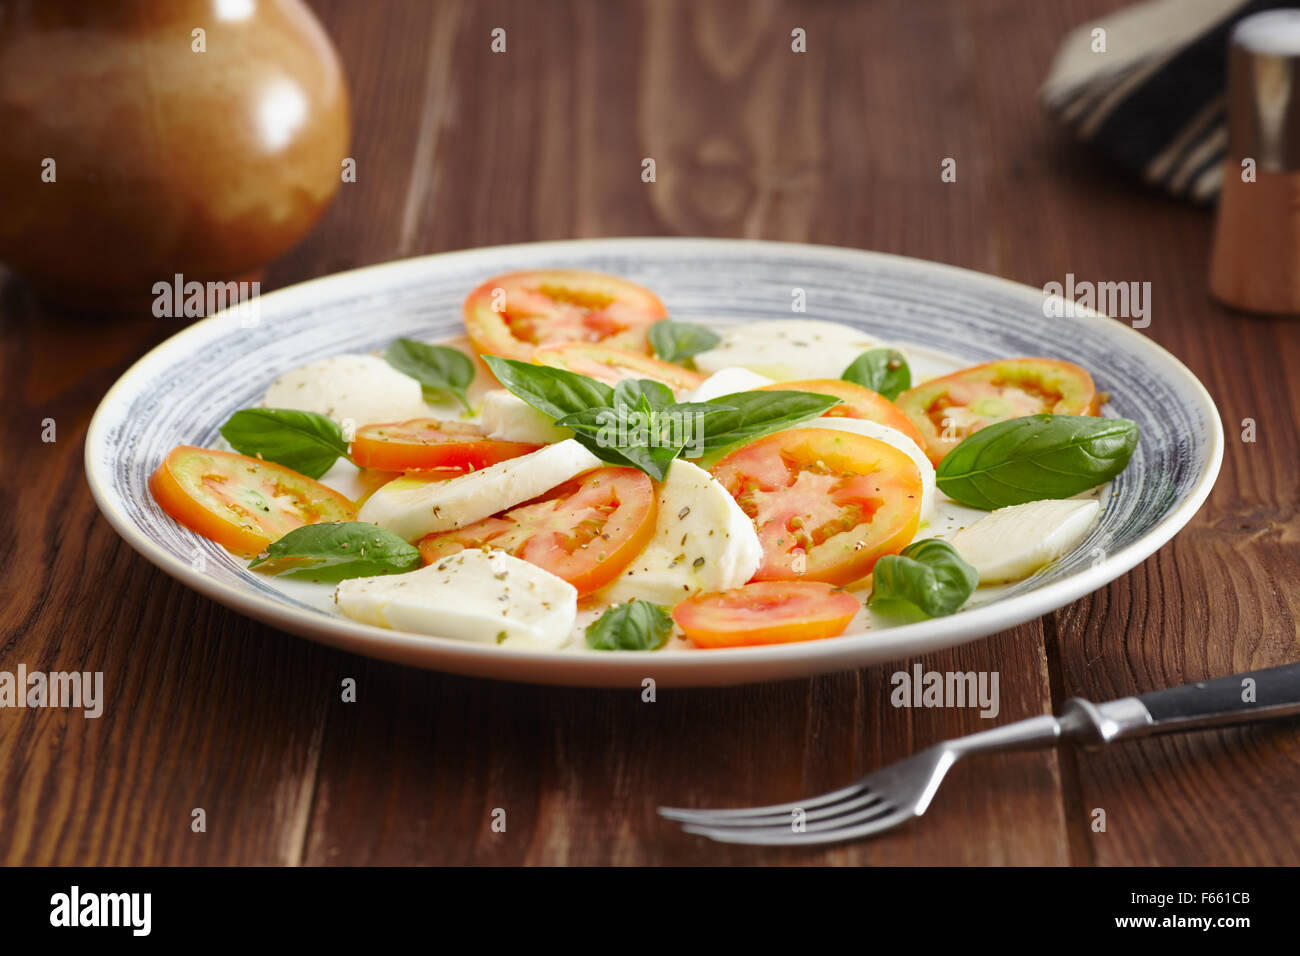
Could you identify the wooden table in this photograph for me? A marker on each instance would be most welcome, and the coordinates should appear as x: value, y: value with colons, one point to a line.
x: 456, y: 148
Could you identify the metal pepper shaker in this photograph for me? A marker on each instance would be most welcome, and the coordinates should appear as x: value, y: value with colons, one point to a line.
x: 1255, y: 264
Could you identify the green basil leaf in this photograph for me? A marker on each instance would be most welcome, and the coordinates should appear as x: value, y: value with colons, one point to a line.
x: 929, y: 575
x: 632, y: 437
x: 1036, y: 457
x: 751, y: 415
x: 681, y: 341
x: 436, y: 367
x: 634, y: 626
x: 337, y: 550
x: 633, y: 391
x: 881, y: 370
x: 552, y: 391
x: 304, y: 441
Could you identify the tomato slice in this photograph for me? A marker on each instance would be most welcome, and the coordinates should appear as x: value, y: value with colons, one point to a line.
x: 856, y: 401
x: 948, y: 409
x: 424, y: 444
x: 510, y: 315
x: 586, y: 531
x: 766, y: 612
x: 826, y: 503
x: 611, y: 366
x: 241, y: 503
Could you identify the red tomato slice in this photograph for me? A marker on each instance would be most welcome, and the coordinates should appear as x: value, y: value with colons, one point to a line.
x: 510, y: 315
x: 585, y: 531
x: 241, y: 503
x: 426, y: 444
x: 856, y: 401
x: 948, y: 409
x: 826, y: 503
x: 766, y: 612
x: 611, y: 366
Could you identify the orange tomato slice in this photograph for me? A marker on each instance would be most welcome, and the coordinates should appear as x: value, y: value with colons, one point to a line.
x: 426, y: 444
x: 241, y: 503
x: 511, y: 315
x: 826, y: 503
x: 766, y: 612
x: 947, y: 409
x: 586, y: 531
x: 611, y: 365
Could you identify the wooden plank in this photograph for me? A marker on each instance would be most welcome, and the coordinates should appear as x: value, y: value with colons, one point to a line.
x: 199, y: 711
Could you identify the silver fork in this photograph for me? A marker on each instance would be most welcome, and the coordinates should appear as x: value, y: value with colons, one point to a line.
x: 894, y: 794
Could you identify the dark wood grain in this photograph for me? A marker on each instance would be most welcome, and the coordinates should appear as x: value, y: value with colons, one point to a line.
x: 456, y: 147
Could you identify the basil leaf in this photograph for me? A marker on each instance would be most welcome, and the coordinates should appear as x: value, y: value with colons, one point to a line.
x: 681, y: 341
x: 336, y: 550
x: 634, y: 626
x: 929, y: 575
x: 552, y: 391
x: 633, y: 391
x: 1036, y: 457
x: 881, y: 370
x: 436, y: 367
x: 751, y: 415
x: 634, y: 437
x: 304, y: 441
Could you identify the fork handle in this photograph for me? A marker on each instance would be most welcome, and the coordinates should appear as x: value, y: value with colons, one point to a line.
x: 1275, y: 692
x: 1241, y: 698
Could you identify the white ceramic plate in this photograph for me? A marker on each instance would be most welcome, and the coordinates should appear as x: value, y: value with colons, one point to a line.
x: 182, y: 391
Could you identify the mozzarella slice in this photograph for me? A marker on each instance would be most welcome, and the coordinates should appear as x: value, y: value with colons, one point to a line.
x: 702, y: 542
x: 787, y: 349
x: 507, y: 417
x: 413, y: 506
x: 485, y: 596
x: 1014, y: 542
x: 725, y: 381
x: 890, y: 436
x: 362, y: 389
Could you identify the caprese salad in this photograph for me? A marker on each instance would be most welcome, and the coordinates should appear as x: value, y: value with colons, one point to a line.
x: 581, y: 471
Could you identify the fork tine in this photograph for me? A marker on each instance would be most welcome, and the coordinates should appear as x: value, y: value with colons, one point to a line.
x: 808, y: 838
x: 855, y: 801
x: 686, y: 815
x: 784, y: 825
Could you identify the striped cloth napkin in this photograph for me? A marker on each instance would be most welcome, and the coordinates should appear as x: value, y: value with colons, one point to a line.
x: 1148, y: 90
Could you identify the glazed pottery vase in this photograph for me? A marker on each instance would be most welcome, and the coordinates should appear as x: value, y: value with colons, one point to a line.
x: 142, y: 139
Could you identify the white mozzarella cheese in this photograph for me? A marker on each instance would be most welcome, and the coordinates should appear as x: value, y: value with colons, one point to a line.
x: 890, y: 436
x: 485, y: 596
x: 787, y: 349
x: 725, y: 381
x: 703, y: 541
x: 413, y: 506
x: 507, y: 417
x: 360, y: 389
x: 1014, y: 542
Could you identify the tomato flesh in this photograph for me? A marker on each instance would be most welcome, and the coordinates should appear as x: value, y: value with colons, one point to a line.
x: 856, y: 401
x: 511, y: 315
x: 766, y: 612
x: 426, y: 444
x: 826, y: 504
x: 611, y: 365
x: 948, y: 409
x: 586, y: 531
x: 241, y: 503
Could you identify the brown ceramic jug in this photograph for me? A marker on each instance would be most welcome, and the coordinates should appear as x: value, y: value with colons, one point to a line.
x: 144, y: 138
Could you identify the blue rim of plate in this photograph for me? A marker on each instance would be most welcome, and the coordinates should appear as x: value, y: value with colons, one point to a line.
x: 182, y: 390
